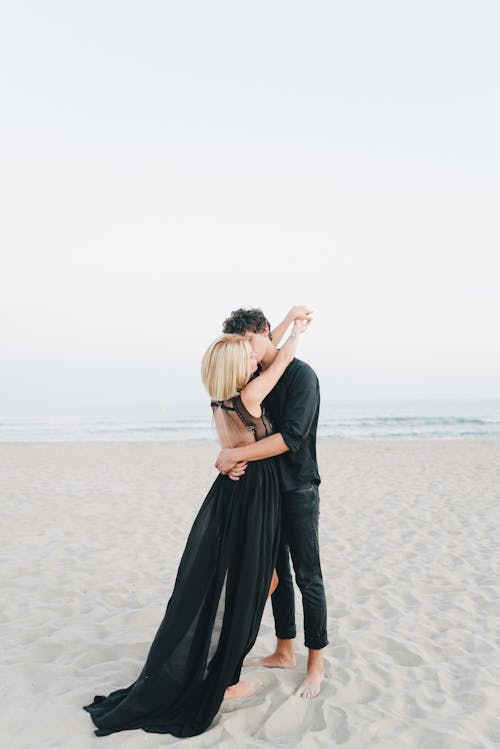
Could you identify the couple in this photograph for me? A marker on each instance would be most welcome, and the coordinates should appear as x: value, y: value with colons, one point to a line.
x: 259, y: 509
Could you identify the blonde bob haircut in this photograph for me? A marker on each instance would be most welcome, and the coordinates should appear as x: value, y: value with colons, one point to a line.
x: 225, y: 367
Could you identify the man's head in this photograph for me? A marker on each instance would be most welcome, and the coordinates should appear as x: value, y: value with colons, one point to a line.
x: 253, y: 324
x: 242, y: 320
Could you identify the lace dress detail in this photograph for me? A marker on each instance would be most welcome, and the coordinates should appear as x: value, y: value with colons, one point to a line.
x: 259, y: 426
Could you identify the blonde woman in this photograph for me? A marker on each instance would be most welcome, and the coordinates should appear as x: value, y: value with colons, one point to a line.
x: 226, y: 571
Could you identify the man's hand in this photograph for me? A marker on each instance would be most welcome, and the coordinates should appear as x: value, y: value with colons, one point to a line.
x: 238, y: 470
x: 225, y: 460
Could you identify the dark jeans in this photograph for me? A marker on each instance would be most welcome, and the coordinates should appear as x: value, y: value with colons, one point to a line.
x: 299, y: 539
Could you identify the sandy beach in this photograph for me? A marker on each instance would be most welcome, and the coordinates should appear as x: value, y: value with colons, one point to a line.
x: 92, y: 534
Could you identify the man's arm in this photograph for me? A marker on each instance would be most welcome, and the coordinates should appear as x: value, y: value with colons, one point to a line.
x: 300, y: 408
x: 301, y: 404
x: 265, y: 448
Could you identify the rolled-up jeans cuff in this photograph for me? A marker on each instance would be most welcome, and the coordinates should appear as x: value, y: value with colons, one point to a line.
x: 290, y: 635
x: 316, y: 644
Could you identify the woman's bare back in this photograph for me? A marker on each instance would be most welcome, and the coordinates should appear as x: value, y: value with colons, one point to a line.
x: 236, y: 426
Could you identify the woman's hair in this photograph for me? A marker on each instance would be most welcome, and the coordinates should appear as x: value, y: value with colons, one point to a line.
x: 225, y: 367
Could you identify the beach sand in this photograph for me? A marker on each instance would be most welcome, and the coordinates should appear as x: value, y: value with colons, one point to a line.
x: 92, y: 534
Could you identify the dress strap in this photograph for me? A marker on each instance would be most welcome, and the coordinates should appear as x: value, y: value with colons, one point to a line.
x: 221, y: 404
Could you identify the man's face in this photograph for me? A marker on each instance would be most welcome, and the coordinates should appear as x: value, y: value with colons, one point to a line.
x: 259, y: 343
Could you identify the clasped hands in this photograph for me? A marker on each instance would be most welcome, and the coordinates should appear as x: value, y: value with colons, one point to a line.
x: 227, y: 465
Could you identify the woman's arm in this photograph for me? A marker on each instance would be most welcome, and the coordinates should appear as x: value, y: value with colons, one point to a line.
x: 256, y: 390
x: 299, y: 311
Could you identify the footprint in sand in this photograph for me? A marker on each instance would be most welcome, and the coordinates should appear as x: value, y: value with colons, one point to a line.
x: 379, y: 673
x: 98, y: 656
x: 342, y: 675
x: 384, y: 609
x: 340, y: 652
x: 493, y: 731
x: 290, y: 720
x: 434, y: 740
x: 296, y: 716
x: 358, y: 623
x: 400, y: 654
x: 337, y: 723
x: 471, y: 702
x: 357, y: 691
x: 44, y: 652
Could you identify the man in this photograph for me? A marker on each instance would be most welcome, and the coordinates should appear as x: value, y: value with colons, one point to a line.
x: 294, y: 407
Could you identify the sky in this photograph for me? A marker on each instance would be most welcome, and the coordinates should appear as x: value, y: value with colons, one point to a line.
x: 166, y: 162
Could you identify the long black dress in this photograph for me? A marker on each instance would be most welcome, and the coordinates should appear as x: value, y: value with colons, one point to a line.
x: 214, y: 613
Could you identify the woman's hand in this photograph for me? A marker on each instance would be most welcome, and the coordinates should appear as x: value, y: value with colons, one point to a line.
x: 299, y: 312
x: 239, y: 470
x: 226, y: 460
x: 300, y: 325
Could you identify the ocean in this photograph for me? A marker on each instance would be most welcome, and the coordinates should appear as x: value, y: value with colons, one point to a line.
x: 422, y: 419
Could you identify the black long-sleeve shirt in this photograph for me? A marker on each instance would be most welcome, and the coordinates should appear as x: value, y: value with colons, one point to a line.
x: 293, y: 404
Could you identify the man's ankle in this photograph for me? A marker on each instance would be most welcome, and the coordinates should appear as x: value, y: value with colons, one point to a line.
x: 315, y: 660
x: 285, y: 647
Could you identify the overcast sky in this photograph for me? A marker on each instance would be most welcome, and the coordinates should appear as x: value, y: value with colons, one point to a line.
x: 166, y: 162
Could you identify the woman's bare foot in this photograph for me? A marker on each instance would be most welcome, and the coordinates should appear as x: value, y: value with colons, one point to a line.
x: 311, y: 685
x: 244, y: 689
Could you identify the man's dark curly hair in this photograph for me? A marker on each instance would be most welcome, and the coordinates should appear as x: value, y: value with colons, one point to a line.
x: 242, y: 320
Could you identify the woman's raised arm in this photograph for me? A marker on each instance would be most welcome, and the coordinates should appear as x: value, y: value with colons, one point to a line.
x: 254, y: 393
x: 299, y: 312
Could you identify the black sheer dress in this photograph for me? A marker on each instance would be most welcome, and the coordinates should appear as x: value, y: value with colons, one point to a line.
x: 213, y: 616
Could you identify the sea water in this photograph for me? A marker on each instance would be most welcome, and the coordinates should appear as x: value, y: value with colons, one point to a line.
x: 419, y: 419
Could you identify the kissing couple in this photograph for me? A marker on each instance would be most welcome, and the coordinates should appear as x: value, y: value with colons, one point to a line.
x: 262, y: 509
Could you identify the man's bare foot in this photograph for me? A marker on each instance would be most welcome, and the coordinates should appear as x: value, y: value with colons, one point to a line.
x: 276, y: 660
x: 244, y: 689
x: 311, y: 685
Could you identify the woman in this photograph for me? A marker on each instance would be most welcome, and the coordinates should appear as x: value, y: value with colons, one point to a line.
x: 226, y: 571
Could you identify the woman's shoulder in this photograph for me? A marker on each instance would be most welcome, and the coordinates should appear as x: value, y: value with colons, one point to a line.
x: 240, y: 406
